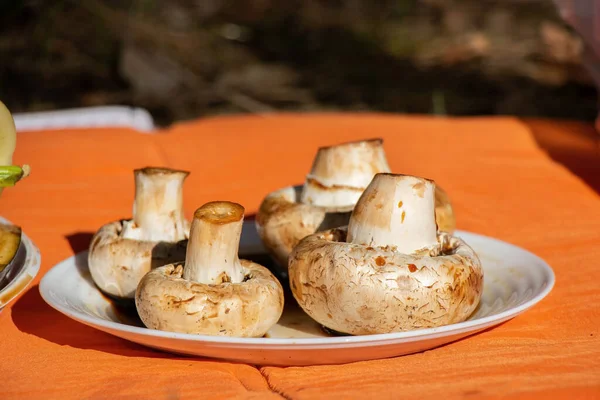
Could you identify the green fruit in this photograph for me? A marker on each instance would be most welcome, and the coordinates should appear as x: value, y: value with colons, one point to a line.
x: 10, y: 235
x: 9, y: 174
x: 8, y: 136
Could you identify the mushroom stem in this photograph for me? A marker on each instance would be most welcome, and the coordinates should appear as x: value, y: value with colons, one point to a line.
x: 340, y: 173
x: 212, y: 252
x: 395, y: 210
x: 158, y: 205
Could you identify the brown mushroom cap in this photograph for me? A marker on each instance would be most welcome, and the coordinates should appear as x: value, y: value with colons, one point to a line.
x: 391, y: 269
x: 213, y: 292
x: 122, y: 252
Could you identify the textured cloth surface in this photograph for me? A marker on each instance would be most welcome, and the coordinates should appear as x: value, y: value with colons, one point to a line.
x: 501, y: 181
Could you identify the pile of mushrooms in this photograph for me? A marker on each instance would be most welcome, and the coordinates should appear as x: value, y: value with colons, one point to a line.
x: 366, y: 252
x: 122, y: 252
x: 213, y: 292
x: 338, y: 177
x: 390, y: 269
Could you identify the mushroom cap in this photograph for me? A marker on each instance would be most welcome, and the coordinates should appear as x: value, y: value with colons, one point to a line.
x: 167, y: 302
x: 368, y: 290
x: 282, y: 220
x: 118, y: 262
x: 444, y: 213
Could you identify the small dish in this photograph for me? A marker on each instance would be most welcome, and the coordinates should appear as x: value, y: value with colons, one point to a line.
x: 19, y: 273
x: 515, y: 280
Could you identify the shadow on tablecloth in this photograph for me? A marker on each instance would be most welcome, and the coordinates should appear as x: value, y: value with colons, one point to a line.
x: 32, y: 315
x: 575, y: 145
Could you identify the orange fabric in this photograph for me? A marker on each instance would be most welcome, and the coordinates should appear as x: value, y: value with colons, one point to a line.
x: 572, y: 144
x: 502, y: 183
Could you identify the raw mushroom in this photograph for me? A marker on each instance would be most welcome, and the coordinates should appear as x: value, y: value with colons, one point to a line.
x: 444, y: 213
x: 338, y: 177
x: 122, y: 252
x: 389, y: 270
x: 213, y: 292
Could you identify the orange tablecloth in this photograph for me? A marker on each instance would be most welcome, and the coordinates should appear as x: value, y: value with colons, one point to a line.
x: 502, y: 184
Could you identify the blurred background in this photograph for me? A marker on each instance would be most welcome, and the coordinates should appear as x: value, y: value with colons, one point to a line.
x: 188, y: 59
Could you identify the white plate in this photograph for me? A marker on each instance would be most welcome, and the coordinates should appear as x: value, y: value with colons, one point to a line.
x: 515, y: 280
x: 21, y: 270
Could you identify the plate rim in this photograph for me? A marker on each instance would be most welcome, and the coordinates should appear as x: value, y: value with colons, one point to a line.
x: 407, y: 336
x: 29, y: 271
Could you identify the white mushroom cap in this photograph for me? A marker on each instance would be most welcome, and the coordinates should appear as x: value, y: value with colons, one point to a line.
x: 117, y: 264
x: 338, y: 176
x: 121, y: 252
x: 213, y: 292
x: 385, y: 278
x: 282, y: 222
